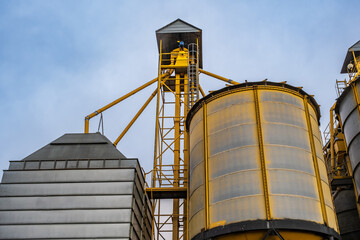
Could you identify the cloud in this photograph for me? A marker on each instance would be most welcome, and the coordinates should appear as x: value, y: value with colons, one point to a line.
x: 62, y: 60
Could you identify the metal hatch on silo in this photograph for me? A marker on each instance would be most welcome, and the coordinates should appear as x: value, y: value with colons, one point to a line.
x: 77, y: 187
x: 256, y: 165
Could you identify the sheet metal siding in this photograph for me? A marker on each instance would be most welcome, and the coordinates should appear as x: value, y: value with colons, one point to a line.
x: 65, y: 231
x: 347, y: 214
x: 74, y: 189
x: 73, y: 203
x: 56, y: 176
x: 141, y: 218
x: 234, y: 157
x: 65, y: 216
x: 348, y: 108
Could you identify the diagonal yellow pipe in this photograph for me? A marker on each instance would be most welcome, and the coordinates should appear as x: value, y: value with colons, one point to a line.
x: 218, y: 77
x: 113, y: 103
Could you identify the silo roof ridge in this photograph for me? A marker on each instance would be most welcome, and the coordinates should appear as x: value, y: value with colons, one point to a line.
x: 179, y: 25
x: 77, y: 146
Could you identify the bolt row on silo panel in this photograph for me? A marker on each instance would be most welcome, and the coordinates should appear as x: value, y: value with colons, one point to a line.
x: 256, y: 164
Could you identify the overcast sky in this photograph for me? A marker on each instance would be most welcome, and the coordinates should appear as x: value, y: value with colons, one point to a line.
x: 61, y: 60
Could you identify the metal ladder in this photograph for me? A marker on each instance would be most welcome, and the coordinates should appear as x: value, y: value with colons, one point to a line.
x: 193, y: 76
x: 340, y: 86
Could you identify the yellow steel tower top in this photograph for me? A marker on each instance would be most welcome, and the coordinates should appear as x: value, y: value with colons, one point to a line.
x: 180, y: 62
x: 179, y: 44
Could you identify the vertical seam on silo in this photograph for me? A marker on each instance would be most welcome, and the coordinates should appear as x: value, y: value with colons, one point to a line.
x: 206, y: 173
x: 316, y: 165
x: 186, y: 159
x: 262, y: 155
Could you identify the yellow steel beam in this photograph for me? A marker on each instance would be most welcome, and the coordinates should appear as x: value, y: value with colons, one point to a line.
x: 315, y: 160
x: 138, y: 114
x: 348, y: 162
x: 153, y: 177
x: 153, y: 182
x: 167, y: 189
x: 218, y: 77
x: 186, y: 157
x: 175, y: 94
x: 201, y: 91
x: 206, y: 167
x: 177, y: 133
x: 135, y: 117
x: 262, y: 154
x: 356, y: 65
x: 100, y: 110
x: 332, y: 152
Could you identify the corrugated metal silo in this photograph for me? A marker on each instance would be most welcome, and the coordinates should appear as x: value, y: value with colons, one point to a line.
x: 347, y: 214
x: 256, y: 165
x: 347, y: 107
x: 77, y: 187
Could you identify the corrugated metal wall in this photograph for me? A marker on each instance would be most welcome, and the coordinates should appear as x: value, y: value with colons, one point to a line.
x: 74, y: 199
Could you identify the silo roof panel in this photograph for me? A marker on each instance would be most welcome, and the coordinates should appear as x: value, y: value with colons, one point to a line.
x: 78, y: 146
x: 349, y: 56
x: 79, y: 138
x: 179, y: 30
x: 178, y: 26
x: 355, y: 47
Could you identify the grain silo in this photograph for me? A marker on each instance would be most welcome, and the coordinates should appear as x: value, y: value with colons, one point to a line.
x: 342, y: 144
x: 347, y: 108
x: 256, y: 165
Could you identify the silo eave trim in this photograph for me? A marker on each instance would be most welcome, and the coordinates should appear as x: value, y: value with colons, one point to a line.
x: 282, y: 224
x: 205, y: 99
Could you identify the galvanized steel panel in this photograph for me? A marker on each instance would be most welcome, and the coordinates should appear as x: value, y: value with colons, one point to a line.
x: 49, y: 189
x: 196, y: 223
x: 251, y: 207
x: 16, y: 165
x: 53, y: 176
x: 296, y: 207
x: 66, y: 216
x: 65, y: 202
x: 64, y: 231
x: 80, y: 138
